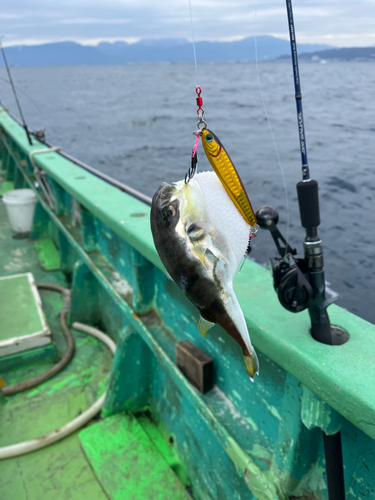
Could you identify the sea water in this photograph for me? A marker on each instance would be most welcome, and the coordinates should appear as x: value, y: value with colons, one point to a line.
x: 136, y: 123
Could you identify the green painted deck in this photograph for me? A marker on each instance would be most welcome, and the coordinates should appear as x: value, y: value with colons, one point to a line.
x: 60, y: 472
x: 127, y: 463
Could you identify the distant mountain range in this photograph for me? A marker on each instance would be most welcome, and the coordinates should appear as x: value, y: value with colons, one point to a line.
x: 151, y: 51
x: 175, y: 51
x: 346, y: 54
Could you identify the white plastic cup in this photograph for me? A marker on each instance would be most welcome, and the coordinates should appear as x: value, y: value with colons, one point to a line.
x: 20, y: 205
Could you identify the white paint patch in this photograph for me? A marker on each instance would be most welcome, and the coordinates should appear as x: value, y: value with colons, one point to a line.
x: 14, y: 266
x: 312, y: 481
x: 121, y: 285
x: 17, y: 252
x: 228, y: 407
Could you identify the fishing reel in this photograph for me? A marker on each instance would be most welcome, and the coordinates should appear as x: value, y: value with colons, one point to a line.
x: 290, y: 273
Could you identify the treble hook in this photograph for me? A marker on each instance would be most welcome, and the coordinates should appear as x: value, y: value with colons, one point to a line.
x: 194, y: 160
x: 191, y: 172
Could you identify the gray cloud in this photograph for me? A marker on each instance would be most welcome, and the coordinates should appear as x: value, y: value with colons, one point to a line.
x: 336, y: 22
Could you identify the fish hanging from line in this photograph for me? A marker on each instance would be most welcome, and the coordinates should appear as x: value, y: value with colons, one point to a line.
x: 201, y: 239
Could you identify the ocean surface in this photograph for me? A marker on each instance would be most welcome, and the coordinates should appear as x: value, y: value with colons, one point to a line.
x: 135, y: 123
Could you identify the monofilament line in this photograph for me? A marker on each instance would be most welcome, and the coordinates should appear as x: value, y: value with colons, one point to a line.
x: 24, y: 93
x: 14, y: 92
x: 273, y: 136
x: 11, y: 82
x: 192, y: 34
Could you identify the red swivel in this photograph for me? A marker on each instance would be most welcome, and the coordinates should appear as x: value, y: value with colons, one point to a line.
x: 199, y: 100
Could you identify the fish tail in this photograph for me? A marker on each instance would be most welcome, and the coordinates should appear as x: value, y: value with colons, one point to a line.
x: 252, y: 364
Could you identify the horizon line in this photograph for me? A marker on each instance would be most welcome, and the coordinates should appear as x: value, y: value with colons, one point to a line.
x: 134, y: 40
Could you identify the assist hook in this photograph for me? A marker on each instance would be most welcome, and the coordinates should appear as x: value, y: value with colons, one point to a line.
x: 201, y: 126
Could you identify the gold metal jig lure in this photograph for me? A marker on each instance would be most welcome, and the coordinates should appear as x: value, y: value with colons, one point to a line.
x: 228, y: 175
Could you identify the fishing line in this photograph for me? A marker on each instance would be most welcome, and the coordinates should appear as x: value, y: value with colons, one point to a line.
x: 15, y: 93
x: 194, y: 155
x: 24, y: 93
x: 273, y: 137
x: 192, y: 34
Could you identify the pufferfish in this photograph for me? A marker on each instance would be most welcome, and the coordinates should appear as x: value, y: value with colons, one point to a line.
x: 201, y: 239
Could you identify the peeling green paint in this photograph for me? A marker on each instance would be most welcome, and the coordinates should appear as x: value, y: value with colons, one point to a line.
x: 252, y: 423
x: 47, y: 254
x: 272, y: 410
x: 263, y: 485
x: 316, y: 413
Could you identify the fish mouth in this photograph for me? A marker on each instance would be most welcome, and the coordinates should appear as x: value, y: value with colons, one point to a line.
x: 166, y: 193
x: 164, y: 190
x: 163, y: 195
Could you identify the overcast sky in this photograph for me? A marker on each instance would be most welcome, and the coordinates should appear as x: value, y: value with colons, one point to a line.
x: 342, y: 23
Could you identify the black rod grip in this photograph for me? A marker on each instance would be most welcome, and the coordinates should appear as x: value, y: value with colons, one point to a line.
x: 308, y: 200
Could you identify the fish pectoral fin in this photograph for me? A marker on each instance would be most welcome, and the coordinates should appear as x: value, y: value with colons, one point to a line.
x: 200, y: 248
x: 198, y: 237
x: 201, y: 229
x: 208, y: 227
x: 196, y: 232
x: 252, y: 364
x: 204, y: 326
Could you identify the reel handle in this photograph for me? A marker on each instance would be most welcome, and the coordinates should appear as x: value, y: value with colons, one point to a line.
x: 267, y: 218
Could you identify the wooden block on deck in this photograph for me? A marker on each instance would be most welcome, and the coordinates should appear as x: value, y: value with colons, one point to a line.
x: 126, y: 462
x: 196, y: 365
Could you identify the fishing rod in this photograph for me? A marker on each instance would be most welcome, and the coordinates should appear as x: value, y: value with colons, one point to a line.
x: 299, y: 282
x: 308, y: 200
x: 15, y: 93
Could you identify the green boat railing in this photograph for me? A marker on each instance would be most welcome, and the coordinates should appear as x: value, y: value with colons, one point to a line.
x: 239, y: 440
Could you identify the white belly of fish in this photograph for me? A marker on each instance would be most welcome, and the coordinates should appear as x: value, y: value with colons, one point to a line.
x: 215, y: 237
x: 223, y: 214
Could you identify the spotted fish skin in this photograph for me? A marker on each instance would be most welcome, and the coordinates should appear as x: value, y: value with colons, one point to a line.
x: 199, y: 259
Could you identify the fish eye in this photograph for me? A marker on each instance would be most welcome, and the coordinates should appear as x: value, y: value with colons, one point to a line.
x: 209, y: 138
x: 171, y: 211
